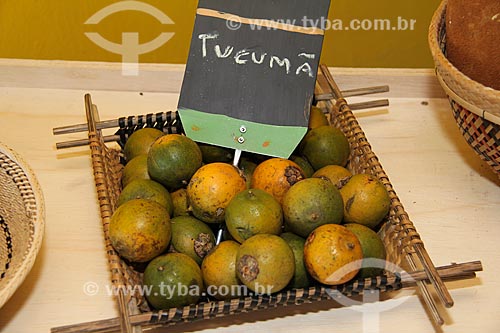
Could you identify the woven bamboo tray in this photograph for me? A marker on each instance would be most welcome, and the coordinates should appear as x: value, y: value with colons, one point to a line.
x: 403, y: 243
x: 22, y: 215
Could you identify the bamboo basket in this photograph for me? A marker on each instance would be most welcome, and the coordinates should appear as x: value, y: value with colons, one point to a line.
x: 401, y: 239
x: 476, y: 108
x: 22, y: 215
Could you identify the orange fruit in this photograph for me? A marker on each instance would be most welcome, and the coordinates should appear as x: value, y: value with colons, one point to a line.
x: 310, y: 203
x: 211, y: 189
x: 337, y: 174
x: 366, y: 200
x: 253, y: 212
x: 180, y: 202
x: 219, y: 271
x: 276, y: 176
x: 139, y: 142
x: 140, y: 230
x: 325, y: 145
x: 173, y: 280
x: 173, y: 159
x: 265, y: 263
x: 332, y: 254
x: 136, y: 168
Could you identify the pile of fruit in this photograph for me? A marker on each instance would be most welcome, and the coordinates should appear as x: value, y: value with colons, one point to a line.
x: 203, y: 227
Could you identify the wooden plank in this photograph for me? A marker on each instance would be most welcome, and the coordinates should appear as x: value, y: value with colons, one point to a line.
x: 167, y: 78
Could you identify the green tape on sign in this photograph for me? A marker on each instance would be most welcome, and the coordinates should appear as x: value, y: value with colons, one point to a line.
x: 224, y: 131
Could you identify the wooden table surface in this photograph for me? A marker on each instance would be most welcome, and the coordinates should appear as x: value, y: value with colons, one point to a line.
x: 450, y: 194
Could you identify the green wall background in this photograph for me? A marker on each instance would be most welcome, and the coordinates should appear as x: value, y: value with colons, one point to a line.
x: 54, y: 30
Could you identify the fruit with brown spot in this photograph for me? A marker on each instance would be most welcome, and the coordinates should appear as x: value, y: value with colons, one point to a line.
x: 303, y: 164
x: 265, y: 263
x: 338, y: 175
x: 276, y: 176
x: 192, y: 237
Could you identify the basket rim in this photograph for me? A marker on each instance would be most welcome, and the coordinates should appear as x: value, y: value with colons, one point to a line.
x: 470, y: 107
x: 445, y: 69
x: 38, y: 220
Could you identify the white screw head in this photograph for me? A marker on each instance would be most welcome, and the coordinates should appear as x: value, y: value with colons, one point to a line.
x: 241, y: 139
x: 243, y: 129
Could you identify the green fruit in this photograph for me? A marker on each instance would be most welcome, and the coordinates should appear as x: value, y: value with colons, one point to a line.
x: 310, y: 203
x: 140, y: 142
x: 140, y: 230
x: 301, y: 278
x: 366, y: 200
x: 304, y: 165
x: 253, y: 212
x: 211, y: 154
x: 372, y: 247
x: 325, y: 145
x: 247, y: 167
x: 136, y: 168
x: 173, y: 159
x: 192, y: 237
x: 146, y: 189
x: 174, y: 280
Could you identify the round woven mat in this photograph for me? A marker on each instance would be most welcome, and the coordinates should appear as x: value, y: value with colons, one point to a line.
x: 21, y: 221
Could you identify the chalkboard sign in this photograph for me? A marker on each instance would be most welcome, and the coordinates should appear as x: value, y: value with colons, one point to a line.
x: 251, y: 71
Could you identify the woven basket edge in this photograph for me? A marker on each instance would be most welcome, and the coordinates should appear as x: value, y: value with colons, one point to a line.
x: 39, y: 223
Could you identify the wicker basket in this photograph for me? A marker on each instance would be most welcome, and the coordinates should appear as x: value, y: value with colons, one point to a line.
x: 476, y: 108
x: 403, y: 243
x: 21, y: 221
